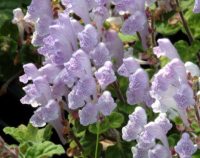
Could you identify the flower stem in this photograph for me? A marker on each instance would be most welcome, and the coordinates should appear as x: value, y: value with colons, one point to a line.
x: 185, y: 24
x: 118, y: 92
x: 97, y: 139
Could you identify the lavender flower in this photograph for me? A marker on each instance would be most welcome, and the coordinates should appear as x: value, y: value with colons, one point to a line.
x: 37, y: 9
x: 196, y: 8
x: 192, y: 68
x: 139, y: 152
x: 115, y: 47
x: 157, y: 151
x: 100, y: 54
x: 79, y: 65
x: 138, y: 87
x: 105, y: 75
x: 129, y: 66
x: 185, y: 147
x: 31, y: 72
x: 88, y: 114
x: 134, y: 23
x: 175, y: 93
x: 45, y: 114
x: 165, y: 48
x: 135, y: 125
x: 79, y: 7
x: 106, y: 103
x: 99, y: 15
x: 131, y: 6
x: 88, y: 38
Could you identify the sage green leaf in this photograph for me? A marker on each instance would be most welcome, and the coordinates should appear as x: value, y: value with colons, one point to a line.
x: 7, y: 46
x: 120, y: 150
x: 127, y: 38
x: 193, y: 23
x: 28, y: 133
x: 103, y: 126
x: 115, y: 120
x: 186, y: 52
x: 164, y: 27
x: 173, y: 139
x: 44, y: 150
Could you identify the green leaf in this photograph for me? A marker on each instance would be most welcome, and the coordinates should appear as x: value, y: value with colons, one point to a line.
x: 163, y: 61
x: 173, y: 139
x: 115, y: 120
x: 196, y: 154
x: 28, y: 133
x: 177, y: 120
x: 193, y: 22
x: 104, y: 126
x: 127, y: 38
x: 165, y: 28
x: 120, y: 150
x: 44, y: 150
x: 88, y: 142
x: 28, y: 54
x: 125, y: 108
x: 7, y: 45
x: 186, y: 52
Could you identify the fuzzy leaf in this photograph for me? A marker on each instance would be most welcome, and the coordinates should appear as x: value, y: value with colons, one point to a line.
x: 115, y: 120
x: 44, y: 150
x: 28, y: 133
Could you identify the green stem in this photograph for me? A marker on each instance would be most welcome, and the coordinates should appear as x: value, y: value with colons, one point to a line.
x: 185, y: 24
x: 97, y: 140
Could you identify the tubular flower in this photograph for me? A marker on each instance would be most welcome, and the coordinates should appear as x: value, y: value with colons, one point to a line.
x: 185, y: 147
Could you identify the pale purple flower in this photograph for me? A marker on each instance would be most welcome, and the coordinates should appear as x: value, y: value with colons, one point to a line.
x: 99, y: 15
x: 79, y: 65
x: 105, y: 75
x: 106, y: 103
x: 88, y: 114
x: 61, y: 42
x: 75, y: 101
x: 41, y: 30
x: 163, y: 122
x: 86, y: 86
x: 88, y: 38
x: 130, y: 131
x: 152, y: 131
x: 129, y: 66
x: 184, y: 96
x: 159, y: 150
x: 50, y: 72
x: 18, y: 16
x: 131, y: 6
x: 45, y: 114
x: 171, y: 90
x: 18, y: 19
x: 134, y: 23
x: 138, y: 87
x: 192, y: 68
x: 102, y: 2
x: 79, y: 7
x: 38, y: 9
x: 185, y: 147
x: 165, y: 48
x: 37, y: 93
x: 139, y: 152
x: 100, y: 54
x: 135, y: 125
x: 196, y: 8
x: 115, y: 47
x: 31, y: 72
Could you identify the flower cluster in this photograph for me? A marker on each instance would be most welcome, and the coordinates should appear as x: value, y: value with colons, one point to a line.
x: 146, y: 134
x: 81, y: 59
